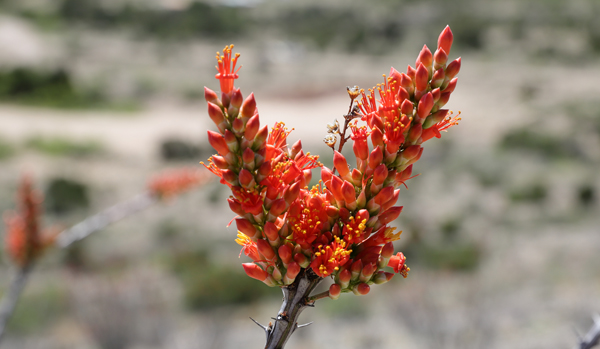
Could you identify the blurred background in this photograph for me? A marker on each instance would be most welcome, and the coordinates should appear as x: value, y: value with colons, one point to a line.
x: 501, y: 229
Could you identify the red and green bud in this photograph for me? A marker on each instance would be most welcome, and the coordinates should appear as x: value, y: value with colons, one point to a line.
x: 440, y: 58
x: 434, y: 118
x: 230, y: 177
x: 407, y: 107
x: 246, y: 179
x: 293, y: 269
x: 340, y: 163
x: 247, y: 228
x: 285, y: 253
x: 425, y: 58
x: 335, y: 291
x: 271, y: 232
x: 438, y: 78
x: 410, y: 72
x: 220, y: 162
x: 377, y: 137
x: 248, y: 159
x: 252, y: 127
x: 236, y: 207
x: 444, y: 98
x: 232, y: 142
x: 386, y: 253
x: 344, y: 278
x: 260, y: 138
x: 406, y: 82
x: 235, y: 103
x: 216, y: 115
x: 218, y: 142
x: 451, y: 85
x: 256, y: 272
x: 424, y: 106
x: 302, y: 260
x: 356, y: 269
x: 421, y: 79
x: 248, y: 107
x: 411, y: 152
x: 382, y: 277
x: 445, y: 39
x: 211, y: 97
x: 415, y: 133
x: 349, y: 195
x: 277, y: 208
x: 375, y: 158
x: 265, y: 249
x: 367, y: 272
x: 296, y: 148
x: 452, y: 69
x: 361, y: 289
x: 292, y: 193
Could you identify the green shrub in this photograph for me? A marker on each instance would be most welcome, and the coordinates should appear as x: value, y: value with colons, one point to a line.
x: 58, y: 146
x: 207, y: 285
x: 64, y: 195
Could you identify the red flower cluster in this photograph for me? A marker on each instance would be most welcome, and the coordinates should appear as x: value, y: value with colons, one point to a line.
x: 173, y: 182
x: 23, y: 240
x: 338, y: 228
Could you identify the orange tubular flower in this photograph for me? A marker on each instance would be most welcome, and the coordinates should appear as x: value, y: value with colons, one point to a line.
x: 173, y: 182
x: 329, y: 258
x: 226, y: 68
x: 23, y: 241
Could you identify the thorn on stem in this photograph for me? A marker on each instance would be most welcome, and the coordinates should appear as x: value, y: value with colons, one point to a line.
x: 307, y: 324
x: 259, y: 324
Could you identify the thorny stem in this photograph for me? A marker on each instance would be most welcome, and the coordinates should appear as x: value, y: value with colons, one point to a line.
x: 592, y: 338
x: 101, y: 220
x: 296, y: 297
x: 67, y: 237
x: 347, y: 118
x: 11, y: 297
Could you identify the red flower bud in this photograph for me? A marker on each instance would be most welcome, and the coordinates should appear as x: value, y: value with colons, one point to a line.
x: 440, y: 59
x: 236, y: 207
x: 451, y: 85
x: 411, y: 152
x: 375, y: 158
x: 220, y: 162
x: 438, y: 78
x: 361, y: 289
x: 246, y: 179
x: 340, y: 163
x: 407, y: 83
x: 334, y: 291
x: 421, y: 78
x: 377, y: 137
x: 216, y: 115
x: 277, y: 207
x: 248, y: 107
x: 367, y: 272
x: 211, y: 96
x: 252, y: 127
x: 255, y: 272
x: 217, y: 141
x: 265, y: 249
x: 247, y: 228
x: 390, y: 215
x: 425, y: 106
x: 236, y: 99
x: 407, y: 107
x: 292, y: 193
x: 445, y: 39
x: 380, y: 174
x: 285, y: 253
x: 326, y: 175
x: 453, y: 68
x: 302, y: 260
x: 344, y: 277
x: 293, y: 270
x: 425, y: 58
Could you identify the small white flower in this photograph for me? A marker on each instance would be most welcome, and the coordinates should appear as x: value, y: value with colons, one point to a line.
x: 333, y: 127
x: 330, y: 140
